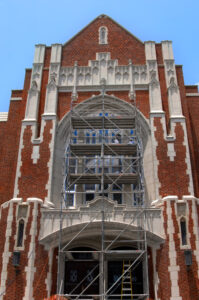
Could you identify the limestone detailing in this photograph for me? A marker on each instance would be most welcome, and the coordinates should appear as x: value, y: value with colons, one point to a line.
x: 103, y: 68
x: 173, y: 267
x: 50, y: 164
x: 6, y: 254
x: 35, y: 154
x: 32, y: 105
x: 3, y: 116
x: 157, y: 184
x: 182, y: 211
x: 171, y: 151
x: 76, y: 217
x: 25, y: 223
x: 51, y: 91
x: 188, y: 160
x: 15, y: 98
x: 19, y: 161
x: 175, y: 108
x: 154, y: 85
x: 30, y: 268
x: 48, y: 280
x: 194, y: 216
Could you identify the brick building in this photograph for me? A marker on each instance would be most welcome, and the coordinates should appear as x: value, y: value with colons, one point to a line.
x: 99, y: 173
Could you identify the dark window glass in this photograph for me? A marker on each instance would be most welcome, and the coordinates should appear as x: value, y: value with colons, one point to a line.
x: 93, y: 138
x: 87, y: 138
x: 20, y: 233
x: 183, y: 231
x: 69, y: 199
x: 89, y: 196
x: 89, y: 187
x: 118, y: 198
x: 117, y: 187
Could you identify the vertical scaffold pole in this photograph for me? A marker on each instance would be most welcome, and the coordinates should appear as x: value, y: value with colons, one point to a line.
x: 102, y: 277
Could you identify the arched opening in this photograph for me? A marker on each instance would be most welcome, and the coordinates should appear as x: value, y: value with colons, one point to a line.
x: 103, y: 35
x: 115, y: 108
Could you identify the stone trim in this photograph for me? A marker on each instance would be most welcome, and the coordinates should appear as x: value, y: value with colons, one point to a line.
x: 15, y: 98
x: 19, y: 161
x: 30, y: 268
x: 173, y: 268
x: 192, y: 94
x: 6, y: 254
x: 25, y: 224
x: 3, y: 116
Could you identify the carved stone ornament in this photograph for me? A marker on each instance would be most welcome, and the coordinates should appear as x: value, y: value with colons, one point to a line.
x: 153, y: 82
x: 53, y: 77
x: 74, y: 96
x: 132, y: 95
x: 52, y: 84
x: 34, y: 86
x: 172, y: 85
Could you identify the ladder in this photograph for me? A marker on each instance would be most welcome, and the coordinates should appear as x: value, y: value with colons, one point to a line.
x: 126, y: 287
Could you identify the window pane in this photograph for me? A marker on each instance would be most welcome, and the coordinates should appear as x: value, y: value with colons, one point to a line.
x: 89, y: 196
x: 183, y: 232
x: 118, y: 198
x: 20, y: 233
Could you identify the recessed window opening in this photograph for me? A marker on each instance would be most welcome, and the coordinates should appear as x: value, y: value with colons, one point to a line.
x: 103, y: 33
x: 183, y: 227
x: 20, y: 233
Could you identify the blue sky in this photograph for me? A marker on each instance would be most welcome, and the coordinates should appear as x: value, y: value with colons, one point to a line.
x: 25, y: 23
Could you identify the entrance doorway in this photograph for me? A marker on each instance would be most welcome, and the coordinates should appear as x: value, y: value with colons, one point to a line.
x: 81, y: 273
x: 132, y: 282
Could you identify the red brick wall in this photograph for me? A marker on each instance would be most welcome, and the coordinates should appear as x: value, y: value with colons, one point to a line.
x: 191, y: 88
x: 159, y: 56
x: 16, y: 282
x: 190, y: 113
x: 10, y: 135
x: 34, y: 177
x: 172, y: 175
x: 122, y: 45
x: 193, y: 135
x: 42, y: 267
x: 47, y: 57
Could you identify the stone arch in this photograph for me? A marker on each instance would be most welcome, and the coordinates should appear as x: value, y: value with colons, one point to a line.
x: 112, y: 104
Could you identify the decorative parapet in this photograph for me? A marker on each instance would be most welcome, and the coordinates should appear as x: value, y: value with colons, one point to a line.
x: 103, y: 68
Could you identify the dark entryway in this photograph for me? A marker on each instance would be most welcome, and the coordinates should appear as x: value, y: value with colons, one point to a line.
x: 81, y: 272
x: 115, y: 270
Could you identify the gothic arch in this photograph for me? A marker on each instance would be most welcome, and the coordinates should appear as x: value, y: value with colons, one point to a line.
x: 93, y: 104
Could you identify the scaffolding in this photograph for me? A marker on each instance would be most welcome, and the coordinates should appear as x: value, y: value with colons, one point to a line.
x: 103, y: 161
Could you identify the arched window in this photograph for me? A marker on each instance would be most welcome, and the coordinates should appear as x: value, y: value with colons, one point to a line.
x: 183, y: 228
x: 20, y: 233
x: 103, y: 35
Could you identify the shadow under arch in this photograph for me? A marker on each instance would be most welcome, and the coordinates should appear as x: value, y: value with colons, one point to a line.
x: 93, y: 105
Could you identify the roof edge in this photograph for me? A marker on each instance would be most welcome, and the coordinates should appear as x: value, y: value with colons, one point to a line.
x: 102, y: 16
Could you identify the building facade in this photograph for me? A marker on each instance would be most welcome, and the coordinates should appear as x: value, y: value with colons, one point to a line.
x: 99, y: 173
